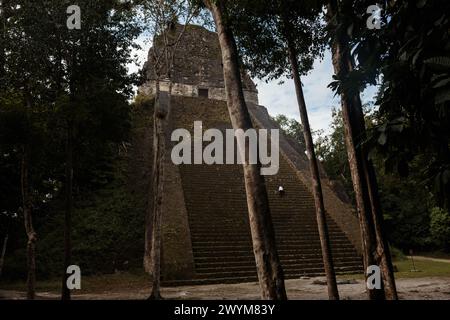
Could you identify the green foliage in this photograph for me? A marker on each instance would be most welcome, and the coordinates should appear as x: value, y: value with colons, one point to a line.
x: 409, y: 55
x: 409, y: 135
x: 53, y: 78
x: 291, y: 128
x: 440, y: 227
x: 407, y: 204
x: 261, y: 29
x: 144, y: 101
x: 406, y: 209
x: 397, y: 254
x: 107, y: 230
x: 332, y: 152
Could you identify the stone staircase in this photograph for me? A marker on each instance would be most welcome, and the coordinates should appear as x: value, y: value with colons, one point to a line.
x: 218, y: 217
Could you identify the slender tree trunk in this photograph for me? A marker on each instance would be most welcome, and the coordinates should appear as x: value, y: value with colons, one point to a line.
x: 359, y: 183
x: 4, y: 246
x: 31, y: 234
x: 147, y: 262
x: 160, y: 115
x: 270, y: 273
x: 375, y: 248
x: 152, y: 256
x: 65, y: 294
x: 3, y: 19
x: 148, y: 266
x: 381, y: 251
x: 2, y: 257
x: 359, y: 186
x: 333, y: 293
x: 150, y: 208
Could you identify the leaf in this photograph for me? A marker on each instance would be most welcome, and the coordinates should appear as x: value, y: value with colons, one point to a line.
x: 442, y: 83
x: 438, y: 63
x: 382, y: 139
x: 438, y: 77
x: 439, y: 21
x: 404, y: 56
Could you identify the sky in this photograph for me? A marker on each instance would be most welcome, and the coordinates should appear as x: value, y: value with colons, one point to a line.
x: 281, y: 99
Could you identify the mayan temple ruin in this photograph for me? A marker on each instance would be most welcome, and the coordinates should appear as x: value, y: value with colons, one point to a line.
x: 206, y: 234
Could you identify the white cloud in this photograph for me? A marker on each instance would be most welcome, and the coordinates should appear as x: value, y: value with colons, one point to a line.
x: 281, y: 99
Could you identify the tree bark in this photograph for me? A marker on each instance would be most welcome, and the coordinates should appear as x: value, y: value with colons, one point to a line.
x: 5, y: 245
x: 151, y: 210
x: 359, y: 184
x: 65, y: 294
x: 333, y: 293
x: 2, y: 257
x: 159, y: 142
x: 152, y: 254
x: 147, y: 262
x: 270, y: 273
x: 3, y: 19
x: 383, y: 250
x: 375, y: 248
x: 31, y: 234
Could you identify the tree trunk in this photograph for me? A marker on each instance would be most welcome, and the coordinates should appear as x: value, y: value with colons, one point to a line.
x: 375, y: 248
x: 2, y: 257
x: 65, y: 294
x: 270, y: 273
x: 359, y: 185
x: 355, y: 163
x: 383, y: 250
x: 333, y: 293
x: 31, y: 234
x: 147, y: 262
x: 148, y: 266
x: 159, y: 142
x: 3, y: 19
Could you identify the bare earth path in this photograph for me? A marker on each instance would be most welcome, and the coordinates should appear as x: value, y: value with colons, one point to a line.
x: 429, y: 259
x: 429, y: 288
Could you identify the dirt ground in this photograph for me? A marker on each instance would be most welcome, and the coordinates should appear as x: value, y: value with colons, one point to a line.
x: 431, y: 288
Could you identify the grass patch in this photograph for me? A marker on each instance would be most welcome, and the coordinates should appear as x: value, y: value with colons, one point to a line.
x: 427, y: 268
